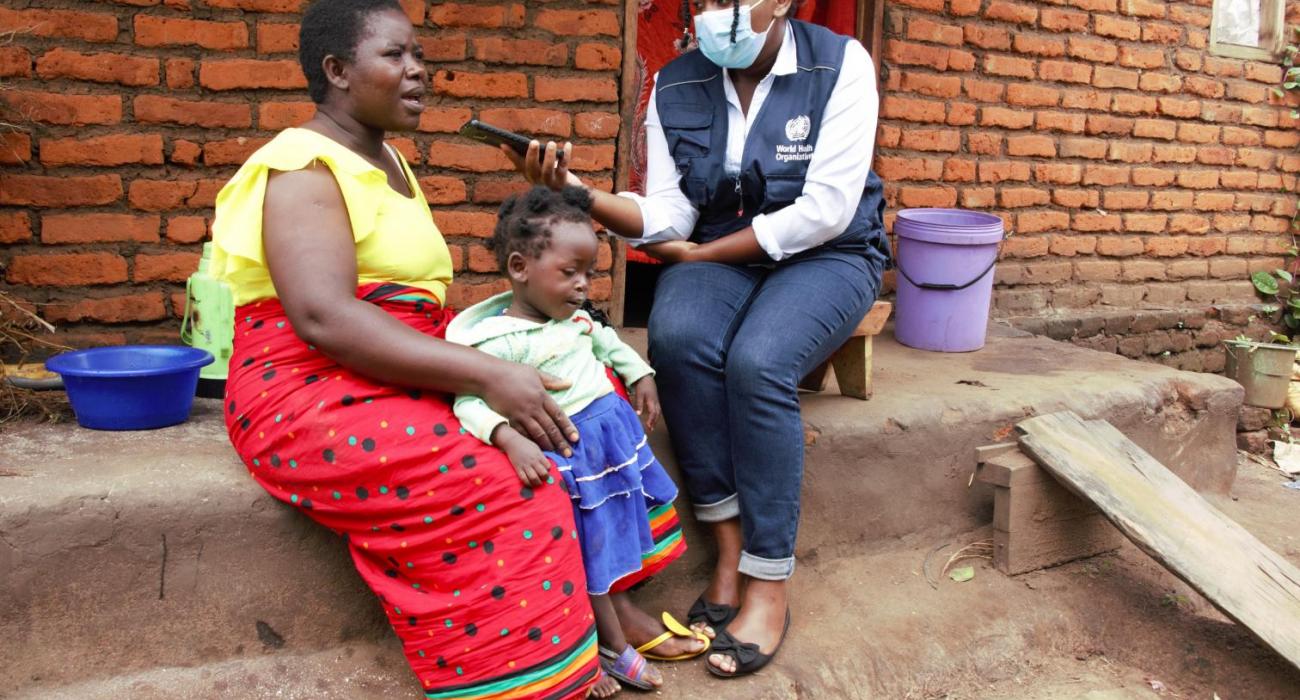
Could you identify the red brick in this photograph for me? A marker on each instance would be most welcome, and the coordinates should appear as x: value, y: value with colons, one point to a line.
x: 931, y: 5
x: 1155, y: 129
x: 1119, y: 247
x: 1198, y: 133
x: 249, y: 74
x: 984, y: 91
x: 958, y: 170
x: 1097, y: 271
x: 1214, y: 201
x: 1064, y: 72
x: 1142, y: 57
x: 1259, y: 116
x: 65, y: 24
x: 597, y: 57
x: 922, y: 29
x: 1155, y: 82
x: 1015, y: 13
x: 1067, y: 122
x: 205, y: 193
x: 444, y: 119
x: 526, y: 52
x: 1119, y: 199
x: 1245, y: 92
x: 1038, y: 46
x: 465, y: 223
x: 231, y: 151
x: 549, y: 89
x: 118, y: 149
x: 1058, y: 173
x: 1094, y: 50
x: 1059, y: 20
x: 71, y: 110
x: 983, y: 144
x: 1001, y: 171
x: 72, y: 270
x: 1027, y: 247
x: 1094, y: 5
x: 1145, y: 223
x: 151, y: 30
x: 899, y: 169
x: 1029, y: 95
x: 1118, y: 28
x: 187, y: 229
x: 931, y: 85
x: 1152, y: 177
x: 167, y: 267
x: 98, y: 67
x: 932, y: 140
x: 1239, y: 180
x: 578, y: 22
x: 961, y: 114
x: 912, y: 110
x: 927, y: 196
x: 15, y: 62
x: 1264, y: 73
x: 1107, y: 77
x: 1102, y: 124
x: 1105, y: 175
x: 1096, y: 221
x: 1031, y: 146
x: 489, y: 85
x: 125, y: 308
x: 486, y: 16
x: 959, y: 60
x: 1171, y: 201
x: 597, y: 125
x: 15, y: 227
x: 1281, y: 139
x: 987, y: 37
x: 180, y: 73
x: 962, y: 8
x: 65, y: 191
x: 888, y: 136
x: 480, y: 260
x: 1072, y: 245
x: 1203, y: 87
x: 1083, y: 148
x: 995, y: 64
x: 159, y: 109
x: 470, y: 158
x: 1228, y: 223
x: 1128, y: 152
x: 1089, y: 100
x: 406, y: 147
x: 1020, y: 197
x: 443, y: 190
x: 99, y: 228
x: 978, y: 197
x: 904, y: 53
x: 272, y: 6
x: 274, y: 116
x: 277, y: 37
x: 1198, y: 179
x: 444, y: 47
x: 1039, y: 221
x: 15, y: 148
x: 1176, y: 107
x: 160, y: 195
x: 1224, y: 67
x: 1163, y: 34
x: 1135, y: 104
x: 1005, y: 118
x: 588, y: 158
x: 414, y: 10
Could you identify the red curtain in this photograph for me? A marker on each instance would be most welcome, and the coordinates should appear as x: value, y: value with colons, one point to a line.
x: 659, y: 26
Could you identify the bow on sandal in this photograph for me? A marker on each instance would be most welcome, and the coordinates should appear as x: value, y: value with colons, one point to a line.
x: 746, y: 654
x: 715, y: 615
x: 675, y: 629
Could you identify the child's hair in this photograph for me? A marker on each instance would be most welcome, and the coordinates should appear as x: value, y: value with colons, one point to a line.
x: 524, y: 220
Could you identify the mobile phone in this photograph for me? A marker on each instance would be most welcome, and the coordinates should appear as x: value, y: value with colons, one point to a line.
x: 495, y: 136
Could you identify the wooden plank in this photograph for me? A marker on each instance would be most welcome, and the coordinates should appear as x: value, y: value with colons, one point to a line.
x: 1168, y: 520
x: 986, y: 452
x: 1038, y: 504
x: 1008, y: 469
x: 874, y: 321
x: 852, y: 363
x: 1054, y: 543
x: 629, y: 90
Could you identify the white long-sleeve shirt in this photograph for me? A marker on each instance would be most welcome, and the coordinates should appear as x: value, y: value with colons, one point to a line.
x: 836, y: 175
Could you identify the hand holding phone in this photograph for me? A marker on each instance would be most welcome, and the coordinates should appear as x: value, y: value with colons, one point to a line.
x: 496, y: 136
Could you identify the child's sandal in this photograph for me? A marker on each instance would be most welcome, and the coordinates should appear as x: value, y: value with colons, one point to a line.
x: 629, y: 667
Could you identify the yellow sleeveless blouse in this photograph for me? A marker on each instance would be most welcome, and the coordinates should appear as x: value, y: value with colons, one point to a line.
x: 395, y: 236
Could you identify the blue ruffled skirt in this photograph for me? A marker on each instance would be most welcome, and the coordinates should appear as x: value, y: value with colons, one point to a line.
x: 614, y: 480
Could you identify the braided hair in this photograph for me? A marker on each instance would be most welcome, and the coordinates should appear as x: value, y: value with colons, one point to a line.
x: 524, y: 221
x: 684, y: 13
x: 333, y: 28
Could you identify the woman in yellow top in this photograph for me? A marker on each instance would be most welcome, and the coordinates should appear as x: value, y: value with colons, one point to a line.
x: 338, y: 399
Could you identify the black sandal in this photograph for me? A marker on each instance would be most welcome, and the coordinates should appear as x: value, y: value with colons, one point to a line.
x: 747, y: 656
x: 715, y: 615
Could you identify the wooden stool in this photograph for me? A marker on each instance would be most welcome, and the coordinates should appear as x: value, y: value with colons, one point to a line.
x: 852, y: 362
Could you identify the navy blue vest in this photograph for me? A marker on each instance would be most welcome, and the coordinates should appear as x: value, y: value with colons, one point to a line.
x: 693, y: 111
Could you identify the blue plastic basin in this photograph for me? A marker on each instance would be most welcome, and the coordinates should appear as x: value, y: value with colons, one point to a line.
x: 132, y: 387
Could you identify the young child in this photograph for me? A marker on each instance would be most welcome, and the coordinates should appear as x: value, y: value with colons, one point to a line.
x: 545, y: 244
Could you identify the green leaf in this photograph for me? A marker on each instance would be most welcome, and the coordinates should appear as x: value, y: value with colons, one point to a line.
x: 1293, y: 251
x: 1279, y: 338
x: 1264, y: 282
x: 962, y: 573
x: 1290, y: 85
x: 1290, y: 321
x: 1286, y: 276
x: 1277, y: 92
x: 1294, y: 303
x: 1269, y: 309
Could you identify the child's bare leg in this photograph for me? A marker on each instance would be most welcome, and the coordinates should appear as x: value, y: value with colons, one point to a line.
x: 610, y: 634
x: 640, y: 627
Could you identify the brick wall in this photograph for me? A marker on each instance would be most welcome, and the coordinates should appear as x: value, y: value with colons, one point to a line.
x: 1137, y: 170
x: 134, y: 113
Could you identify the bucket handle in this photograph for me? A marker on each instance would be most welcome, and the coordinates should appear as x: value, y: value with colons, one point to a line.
x: 947, y: 287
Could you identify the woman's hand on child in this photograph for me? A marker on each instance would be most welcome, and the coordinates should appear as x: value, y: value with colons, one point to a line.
x: 646, y: 400
x: 518, y: 392
x: 545, y: 165
x: 671, y: 251
x: 530, y: 464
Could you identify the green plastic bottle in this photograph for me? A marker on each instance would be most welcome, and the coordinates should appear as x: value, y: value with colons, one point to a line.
x: 209, y: 324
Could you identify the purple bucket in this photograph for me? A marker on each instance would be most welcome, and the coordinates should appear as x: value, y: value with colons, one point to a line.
x: 945, y: 277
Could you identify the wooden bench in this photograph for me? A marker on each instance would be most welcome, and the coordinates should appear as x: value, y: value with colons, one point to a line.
x: 852, y: 362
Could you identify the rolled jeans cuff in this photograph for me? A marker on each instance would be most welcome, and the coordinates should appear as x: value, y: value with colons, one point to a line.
x: 725, y: 509
x: 766, y: 569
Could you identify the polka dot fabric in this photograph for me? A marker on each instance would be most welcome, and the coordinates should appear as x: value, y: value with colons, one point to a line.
x: 437, y: 523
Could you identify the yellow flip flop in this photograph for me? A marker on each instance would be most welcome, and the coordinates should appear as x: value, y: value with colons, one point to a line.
x: 675, y: 629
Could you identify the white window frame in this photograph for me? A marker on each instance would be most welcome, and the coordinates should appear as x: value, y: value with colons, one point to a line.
x: 1272, y: 26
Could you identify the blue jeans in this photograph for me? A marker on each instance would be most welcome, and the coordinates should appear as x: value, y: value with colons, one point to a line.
x: 730, y: 344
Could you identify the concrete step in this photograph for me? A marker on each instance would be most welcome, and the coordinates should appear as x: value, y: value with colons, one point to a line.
x: 129, y: 551
x: 872, y: 625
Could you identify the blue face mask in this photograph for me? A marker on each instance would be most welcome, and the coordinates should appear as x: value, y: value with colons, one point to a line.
x: 713, y: 32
